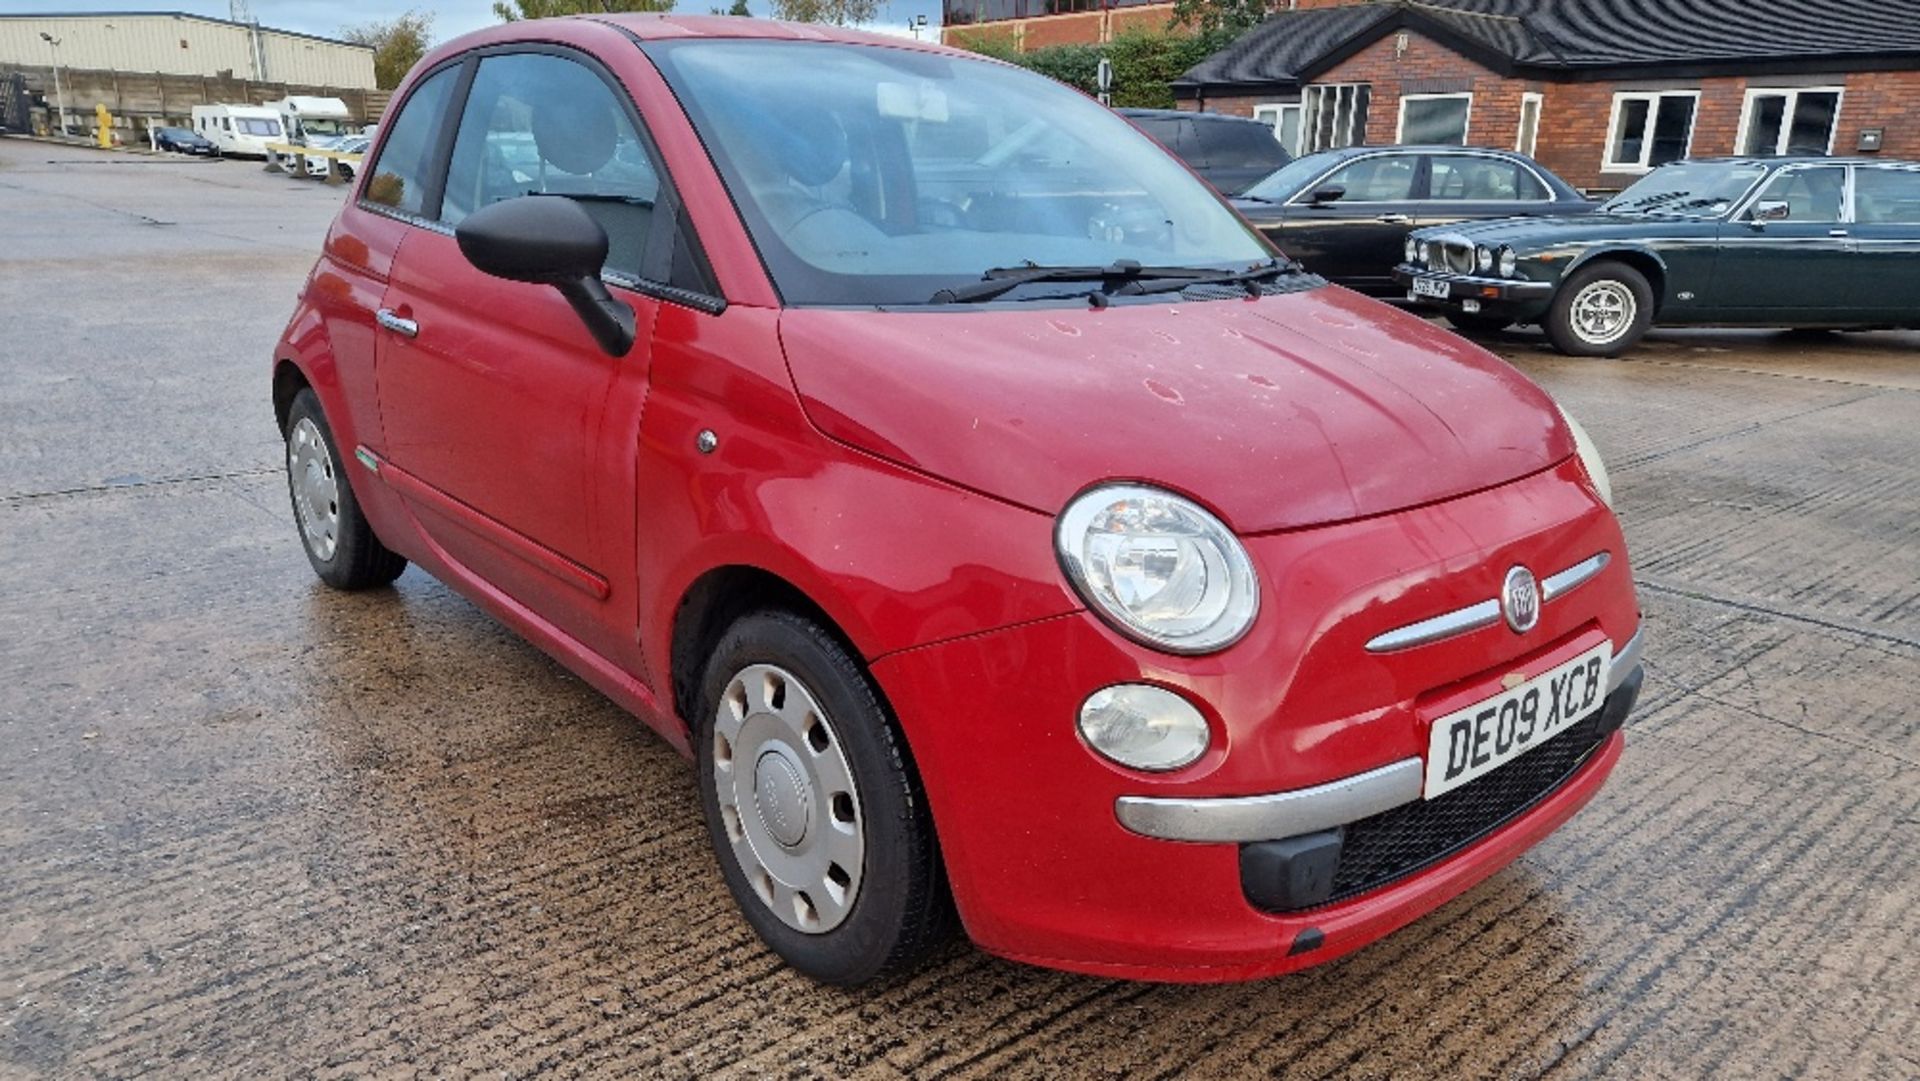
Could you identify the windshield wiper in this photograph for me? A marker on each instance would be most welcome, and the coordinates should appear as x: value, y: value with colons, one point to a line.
x: 1237, y: 277
x: 1118, y: 275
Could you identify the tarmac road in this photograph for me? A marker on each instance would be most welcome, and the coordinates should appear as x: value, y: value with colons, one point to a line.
x: 249, y: 827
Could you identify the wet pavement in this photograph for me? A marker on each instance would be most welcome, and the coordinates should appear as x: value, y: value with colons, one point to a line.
x: 250, y: 827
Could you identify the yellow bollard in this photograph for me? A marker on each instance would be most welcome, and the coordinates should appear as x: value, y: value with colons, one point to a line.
x: 103, y: 126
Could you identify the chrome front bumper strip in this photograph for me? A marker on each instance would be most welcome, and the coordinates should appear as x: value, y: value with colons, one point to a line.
x: 1234, y: 819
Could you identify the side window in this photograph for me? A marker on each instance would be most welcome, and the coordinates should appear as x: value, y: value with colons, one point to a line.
x: 1387, y: 178
x: 1473, y: 177
x: 1811, y: 195
x: 1886, y: 196
x: 399, y: 177
x: 1242, y: 146
x: 541, y: 124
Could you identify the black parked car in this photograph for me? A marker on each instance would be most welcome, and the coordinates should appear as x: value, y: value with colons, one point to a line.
x: 184, y: 141
x: 1345, y: 214
x: 1230, y: 152
x: 1773, y: 242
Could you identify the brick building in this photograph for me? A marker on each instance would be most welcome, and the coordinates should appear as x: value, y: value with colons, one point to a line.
x: 1599, y: 90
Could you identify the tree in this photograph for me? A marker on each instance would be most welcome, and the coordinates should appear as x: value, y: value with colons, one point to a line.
x: 547, y: 9
x: 397, y: 45
x: 837, y: 12
x: 739, y: 8
x: 1235, y: 17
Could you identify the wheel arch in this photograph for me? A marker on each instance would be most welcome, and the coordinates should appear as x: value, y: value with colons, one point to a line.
x: 1649, y: 264
x: 288, y: 382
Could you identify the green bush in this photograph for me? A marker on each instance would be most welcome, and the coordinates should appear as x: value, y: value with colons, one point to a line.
x: 1144, y: 63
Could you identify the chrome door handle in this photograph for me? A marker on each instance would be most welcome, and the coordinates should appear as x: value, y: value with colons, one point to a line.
x: 406, y: 328
x: 1394, y: 219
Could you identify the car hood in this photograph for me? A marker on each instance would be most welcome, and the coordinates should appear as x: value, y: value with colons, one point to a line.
x: 1287, y: 411
x: 1549, y: 232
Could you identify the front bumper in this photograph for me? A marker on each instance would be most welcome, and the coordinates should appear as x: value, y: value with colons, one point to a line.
x: 1507, y: 293
x: 1044, y: 871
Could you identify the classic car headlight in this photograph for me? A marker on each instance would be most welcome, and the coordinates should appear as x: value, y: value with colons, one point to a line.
x: 1413, y: 250
x: 1589, y: 457
x: 1509, y: 262
x: 1144, y: 727
x: 1483, y: 258
x: 1423, y: 253
x: 1158, y: 567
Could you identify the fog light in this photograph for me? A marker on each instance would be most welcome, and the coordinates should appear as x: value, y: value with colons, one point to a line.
x: 1143, y: 727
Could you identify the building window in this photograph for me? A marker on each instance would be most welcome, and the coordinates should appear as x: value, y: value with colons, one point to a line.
x: 1529, y: 136
x: 1435, y: 119
x: 1649, y: 129
x: 1775, y: 122
x: 1335, y: 116
x: 1285, y: 118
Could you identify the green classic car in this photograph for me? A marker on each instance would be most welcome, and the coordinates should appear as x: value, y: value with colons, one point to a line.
x: 1775, y: 242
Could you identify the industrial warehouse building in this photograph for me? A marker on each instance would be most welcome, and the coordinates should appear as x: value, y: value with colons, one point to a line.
x: 149, y: 67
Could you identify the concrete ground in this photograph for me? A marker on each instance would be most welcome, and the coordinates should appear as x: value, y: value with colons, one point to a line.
x: 250, y: 827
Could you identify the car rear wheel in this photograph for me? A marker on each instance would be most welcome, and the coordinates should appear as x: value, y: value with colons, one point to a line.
x: 1478, y: 323
x: 1600, y: 310
x: 337, y: 537
x: 812, y: 806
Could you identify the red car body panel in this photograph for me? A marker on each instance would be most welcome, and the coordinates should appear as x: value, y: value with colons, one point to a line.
x: 902, y: 470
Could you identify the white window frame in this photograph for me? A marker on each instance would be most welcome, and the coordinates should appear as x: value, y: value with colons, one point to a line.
x: 1652, y: 98
x: 1522, y: 144
x: 1313, y: 98
x: 1792, y: 94
x: 1466, y: 134
x: 1274, y: 114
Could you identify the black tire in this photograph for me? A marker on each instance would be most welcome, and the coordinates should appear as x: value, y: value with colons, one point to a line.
x: 1616, y: 282
x: 357, y: 560
x: 901, y: 908
x: 1477, y: 323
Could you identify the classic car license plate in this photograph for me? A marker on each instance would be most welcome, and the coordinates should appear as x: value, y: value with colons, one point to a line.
x: 1430, y: 287
x: 1479, y: 739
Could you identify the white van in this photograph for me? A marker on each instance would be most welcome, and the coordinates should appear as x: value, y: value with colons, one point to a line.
x: 241, y: 130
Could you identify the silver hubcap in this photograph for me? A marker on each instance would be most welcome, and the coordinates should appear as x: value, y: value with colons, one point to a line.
x: 1602, y: 311
x: 787, y: 799
x: 316, y: 492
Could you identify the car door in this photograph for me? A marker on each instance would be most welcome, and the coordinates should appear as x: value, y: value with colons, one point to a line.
x: 1357, y: 239
x: 505, y: 423
x: 1475, y: 187
x: 1793, y: 270
x: 1886, y: 242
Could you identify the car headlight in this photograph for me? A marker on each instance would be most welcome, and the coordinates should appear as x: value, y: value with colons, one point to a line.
x: 1423, y: 253
x: 1509, y: 262
x: 1158, y: 567
x: 1589, y: 457
x: 1144, y: 727
x: 1483, y: 258
x: 1413, y: 250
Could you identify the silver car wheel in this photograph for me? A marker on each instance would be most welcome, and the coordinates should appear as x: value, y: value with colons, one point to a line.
x: 1603, y: 311
x: 788, y: 799
x: 316, y: 491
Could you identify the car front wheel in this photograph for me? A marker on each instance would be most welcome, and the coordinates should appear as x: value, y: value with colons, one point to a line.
x: 820, y: 825
x: 1600, y: 310
x: 339, y: 541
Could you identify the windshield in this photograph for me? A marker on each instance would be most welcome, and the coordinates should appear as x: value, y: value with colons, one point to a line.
x: 324, y: 127
x: 1696, y: 189
x: 874, y: 175
x: 1290, y: 178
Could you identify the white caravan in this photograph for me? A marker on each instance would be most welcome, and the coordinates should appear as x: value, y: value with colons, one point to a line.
x: 242, y: 130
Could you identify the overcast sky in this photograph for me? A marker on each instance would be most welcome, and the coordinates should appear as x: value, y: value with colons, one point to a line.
x: 450, y: 17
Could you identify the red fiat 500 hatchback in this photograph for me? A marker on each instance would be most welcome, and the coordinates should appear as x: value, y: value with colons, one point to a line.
x: 1004, y: 528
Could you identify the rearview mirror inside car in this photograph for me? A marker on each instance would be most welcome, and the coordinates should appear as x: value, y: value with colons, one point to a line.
x: 550, y: 240
x: 1329, y: 194
x: 1767, y: 210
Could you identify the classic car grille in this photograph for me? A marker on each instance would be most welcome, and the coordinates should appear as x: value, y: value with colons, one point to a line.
x: 1396, y: 843
x: 1459, y: 257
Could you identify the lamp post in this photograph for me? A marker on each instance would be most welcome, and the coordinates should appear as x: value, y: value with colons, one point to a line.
x: 59, y: 94
x: 917, y: 24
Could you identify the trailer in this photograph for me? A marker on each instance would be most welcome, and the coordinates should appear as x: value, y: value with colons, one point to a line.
x: 239, y: 130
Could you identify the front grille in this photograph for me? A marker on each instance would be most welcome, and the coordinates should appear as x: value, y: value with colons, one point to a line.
x: 1394, y: 844
x: 1459, y: 257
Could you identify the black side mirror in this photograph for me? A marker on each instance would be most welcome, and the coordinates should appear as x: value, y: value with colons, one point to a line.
x: 1332, y: 193
x: 550, y: 240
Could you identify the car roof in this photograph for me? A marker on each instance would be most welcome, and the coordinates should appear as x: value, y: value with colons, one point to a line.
x: 1796, y: 159
x: 670, y: 26
x: 1188, y: 114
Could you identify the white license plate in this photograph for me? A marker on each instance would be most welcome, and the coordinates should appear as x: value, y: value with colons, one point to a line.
x: 1430, y: 287
x: 1479, y: 739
